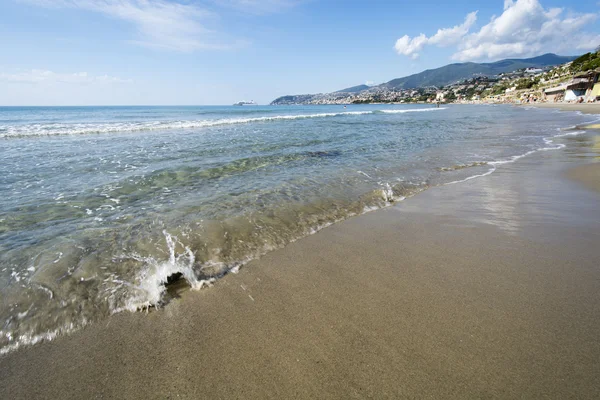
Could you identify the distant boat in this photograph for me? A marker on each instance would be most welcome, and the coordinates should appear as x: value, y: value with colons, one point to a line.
x: 246, y: 103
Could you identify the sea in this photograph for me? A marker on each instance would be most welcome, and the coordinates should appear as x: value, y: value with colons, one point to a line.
x: 106, y: 209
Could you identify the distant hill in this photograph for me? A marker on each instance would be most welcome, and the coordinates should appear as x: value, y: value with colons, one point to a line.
x: 442, y: 76
x: 354, y: 89
x: 457, y: 72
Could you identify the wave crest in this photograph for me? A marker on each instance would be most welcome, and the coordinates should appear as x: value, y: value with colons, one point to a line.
x: 54, y: 129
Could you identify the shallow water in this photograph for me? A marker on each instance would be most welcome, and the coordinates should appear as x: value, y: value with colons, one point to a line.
x: 100, y: 206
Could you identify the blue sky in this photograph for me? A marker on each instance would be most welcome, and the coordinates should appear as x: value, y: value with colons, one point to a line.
x: 89, y: 52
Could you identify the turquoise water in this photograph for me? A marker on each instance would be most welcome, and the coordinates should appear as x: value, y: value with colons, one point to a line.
x: 100, y: 206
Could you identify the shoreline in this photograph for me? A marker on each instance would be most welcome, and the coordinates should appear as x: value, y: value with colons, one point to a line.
x: 484, y: 288
x: 183, y: 284
x: 587, y: 174
x: 584, y: 108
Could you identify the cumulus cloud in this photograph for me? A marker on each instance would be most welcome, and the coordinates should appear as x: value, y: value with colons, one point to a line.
x: 35, y: 76
x: 444, y: 37
x: 525, y: 28
x: 411, y: 47
x: 449, y: 36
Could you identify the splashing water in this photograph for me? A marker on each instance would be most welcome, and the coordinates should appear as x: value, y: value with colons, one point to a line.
x: 151, y: 281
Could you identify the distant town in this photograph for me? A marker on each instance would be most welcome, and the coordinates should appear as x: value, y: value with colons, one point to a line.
x: 572, y: 82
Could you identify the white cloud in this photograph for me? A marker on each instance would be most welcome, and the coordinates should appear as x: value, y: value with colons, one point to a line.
x: 159, y: 23
x: 525, y: 28
x: 258, y: 6
x: 35, y: 76
x: 411, y: 47
x: 449, y: 36
x: 172, y: 25
x: 444, y: 37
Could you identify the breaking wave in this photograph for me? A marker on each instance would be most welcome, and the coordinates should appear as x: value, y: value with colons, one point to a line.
x: 55, y: 129
x: 411, y: 110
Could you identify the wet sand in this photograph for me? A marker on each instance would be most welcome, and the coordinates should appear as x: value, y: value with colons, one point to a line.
x: 588, y: 175
x: 485, y: 289
x: 585, y: 108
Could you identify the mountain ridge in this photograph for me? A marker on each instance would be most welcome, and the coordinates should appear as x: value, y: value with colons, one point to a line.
x: 452, y: 73
x: 444, y: 75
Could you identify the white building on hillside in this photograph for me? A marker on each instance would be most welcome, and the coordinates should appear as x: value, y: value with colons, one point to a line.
x: 533, y: 70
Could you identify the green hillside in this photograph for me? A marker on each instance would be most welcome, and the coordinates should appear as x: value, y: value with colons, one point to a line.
x: 354, y: 89
x: 442, y: 76
x: 456, y: 72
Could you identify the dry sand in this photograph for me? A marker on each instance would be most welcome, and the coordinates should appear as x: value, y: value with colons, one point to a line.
x: 486, y: 289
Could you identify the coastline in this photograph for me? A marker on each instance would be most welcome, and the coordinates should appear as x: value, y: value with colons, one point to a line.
x: 487, y: 288
x: 585, y: 108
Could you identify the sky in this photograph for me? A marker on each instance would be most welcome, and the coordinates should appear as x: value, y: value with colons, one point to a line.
x: 204, y: 52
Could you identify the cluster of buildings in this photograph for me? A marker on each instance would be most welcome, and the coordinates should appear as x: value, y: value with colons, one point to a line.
x: 557, y: 85
x: 376, y: 94
x: 470, y: 90
x: 387, y: 95
x: 550, y: 84
x: 582, y: 88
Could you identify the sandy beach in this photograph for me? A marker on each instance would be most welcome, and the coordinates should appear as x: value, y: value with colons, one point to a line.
x: 591, y: 108
x: 588, y: 175
x: 291, y: 199
x: 485, y: 289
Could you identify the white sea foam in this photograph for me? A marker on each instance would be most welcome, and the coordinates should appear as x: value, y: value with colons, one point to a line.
x: 550, y: 145
x: 386, y: 192
x: 53, y: 129
x: 490, y: 171
x: 151, y: 281
x: 365, y: 174
x: 30, y: 338
x: 573, y: 133
x: 412, y: 110
x: 512, y: 159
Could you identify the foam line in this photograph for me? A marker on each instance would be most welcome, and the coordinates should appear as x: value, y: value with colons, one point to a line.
x: 82, y: 129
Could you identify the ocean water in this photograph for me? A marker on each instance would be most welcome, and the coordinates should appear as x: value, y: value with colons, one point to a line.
x: 101, y: 208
